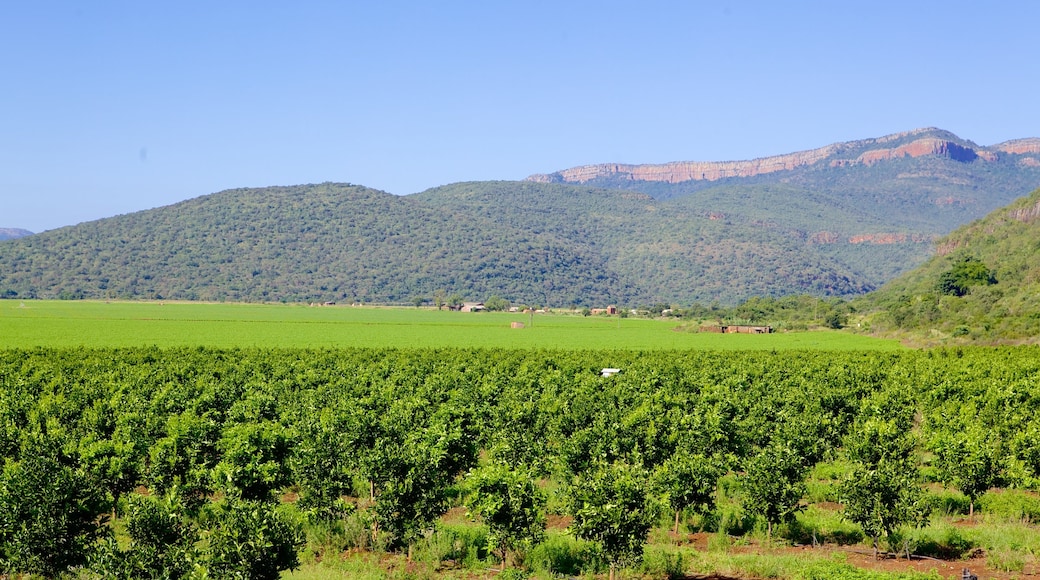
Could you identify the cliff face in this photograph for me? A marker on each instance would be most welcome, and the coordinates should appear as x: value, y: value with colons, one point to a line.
x: 687, y: 170
x: 1019, y: 146
x: 920, y: 148
x: 864, y: 152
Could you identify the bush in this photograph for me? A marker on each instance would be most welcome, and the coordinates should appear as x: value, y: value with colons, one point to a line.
x: 563, y: 555
x: 730, y: 520
x: 826, y: 529
x: 1011, y: 504
x: 464, y: 544
x: 1006, y: 560
x: 946, y: 502
x: 48, y: 515
x: 250, y: 540
x: 661, y: 563
x: 944, y: 543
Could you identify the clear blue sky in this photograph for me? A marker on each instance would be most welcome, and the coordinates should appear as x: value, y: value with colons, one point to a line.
x: 110, y: 107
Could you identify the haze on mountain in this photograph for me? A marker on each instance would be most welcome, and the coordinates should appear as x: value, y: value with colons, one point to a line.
x: 12, y: 233
x: 836, y: 221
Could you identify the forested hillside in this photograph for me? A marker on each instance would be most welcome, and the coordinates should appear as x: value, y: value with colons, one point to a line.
x: 981, y: 286
x: 304, y: 243
x: 529, y: 243
x: 838, y: 221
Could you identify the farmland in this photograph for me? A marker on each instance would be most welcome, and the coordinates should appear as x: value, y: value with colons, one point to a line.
x: 33, y: 323
x: 364, y: 462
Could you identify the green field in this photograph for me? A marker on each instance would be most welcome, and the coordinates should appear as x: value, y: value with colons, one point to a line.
x: 34, y: 323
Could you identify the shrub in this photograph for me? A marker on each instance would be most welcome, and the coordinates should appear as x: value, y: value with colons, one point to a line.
x: 661, y: 563
x: 464, y: 544
x: 563, y: 555
x: 944, y: 543
x: 250, y: 540
x: 1011, y: 504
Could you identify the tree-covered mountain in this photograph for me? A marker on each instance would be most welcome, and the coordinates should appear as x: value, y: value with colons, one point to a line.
x: 836, y: 221
x: 304, y: 243
x: 663, y: 251
x: 12, y: 233
x: 981, y: 286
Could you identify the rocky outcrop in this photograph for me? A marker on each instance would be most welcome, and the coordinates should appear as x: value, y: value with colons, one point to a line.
x: 1019, y: 146
x: 895, y: 238
x: 920, y: 148
x: 865, y: 152
x: 680, y: 171
x: 879, y: 239
x: 1026, y: 214
x: 825, y: 238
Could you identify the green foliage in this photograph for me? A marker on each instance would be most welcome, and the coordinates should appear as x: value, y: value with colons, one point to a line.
x: 183, y: 460
x: 253, y: 460
x: 550, y: 244
x: 510, y: 504
x: 414, y: 465
x: 409, y: 421
x: 835, y: 320
x: 496, y: 304
x: 250, y: 540
x: 980, y: 289
x: 774, y: 483
x: 967, y: 271
x: 162, y: 543
x: 49, y: 514
x: 1012, y: 505
x: 661, y: 563
x: 462, y: 544
x: 688, y: 481
x: 611, y: 506
x: 565, y: 555
x: 882, y: 493
x: 968, y: 459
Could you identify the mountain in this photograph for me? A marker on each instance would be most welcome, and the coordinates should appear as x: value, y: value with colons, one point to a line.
x: 321, y: 242
x: 927, y: 181
x: 980, y: 286
x: 12, y: 233
x: 661, y: 250
x: 838, y: 221
x: 927, y: 142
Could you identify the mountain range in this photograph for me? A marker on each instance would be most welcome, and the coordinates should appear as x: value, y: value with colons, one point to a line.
x: 12, y: 233
x: 839, y: 220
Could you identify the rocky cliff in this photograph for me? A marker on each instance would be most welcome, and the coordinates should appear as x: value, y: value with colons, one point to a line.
x: 917, y: 143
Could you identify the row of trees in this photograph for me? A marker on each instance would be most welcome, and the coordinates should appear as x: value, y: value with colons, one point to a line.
x: 215, y: 438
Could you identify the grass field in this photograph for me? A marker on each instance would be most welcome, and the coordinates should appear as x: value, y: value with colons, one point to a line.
x: 32, y: 323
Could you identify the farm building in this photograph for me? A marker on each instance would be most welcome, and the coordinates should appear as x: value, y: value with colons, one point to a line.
x: 737, y: 329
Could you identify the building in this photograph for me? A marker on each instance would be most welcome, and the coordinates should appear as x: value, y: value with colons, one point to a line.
x: 737, y: 329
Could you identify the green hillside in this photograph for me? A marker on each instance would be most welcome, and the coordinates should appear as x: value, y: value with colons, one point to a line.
x: 838, y: 221
x: 323, y: 242
x: 982, y: 286
x: 663, y: 250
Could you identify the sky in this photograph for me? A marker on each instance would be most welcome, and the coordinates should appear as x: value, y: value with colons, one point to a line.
x: 110, y: 107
